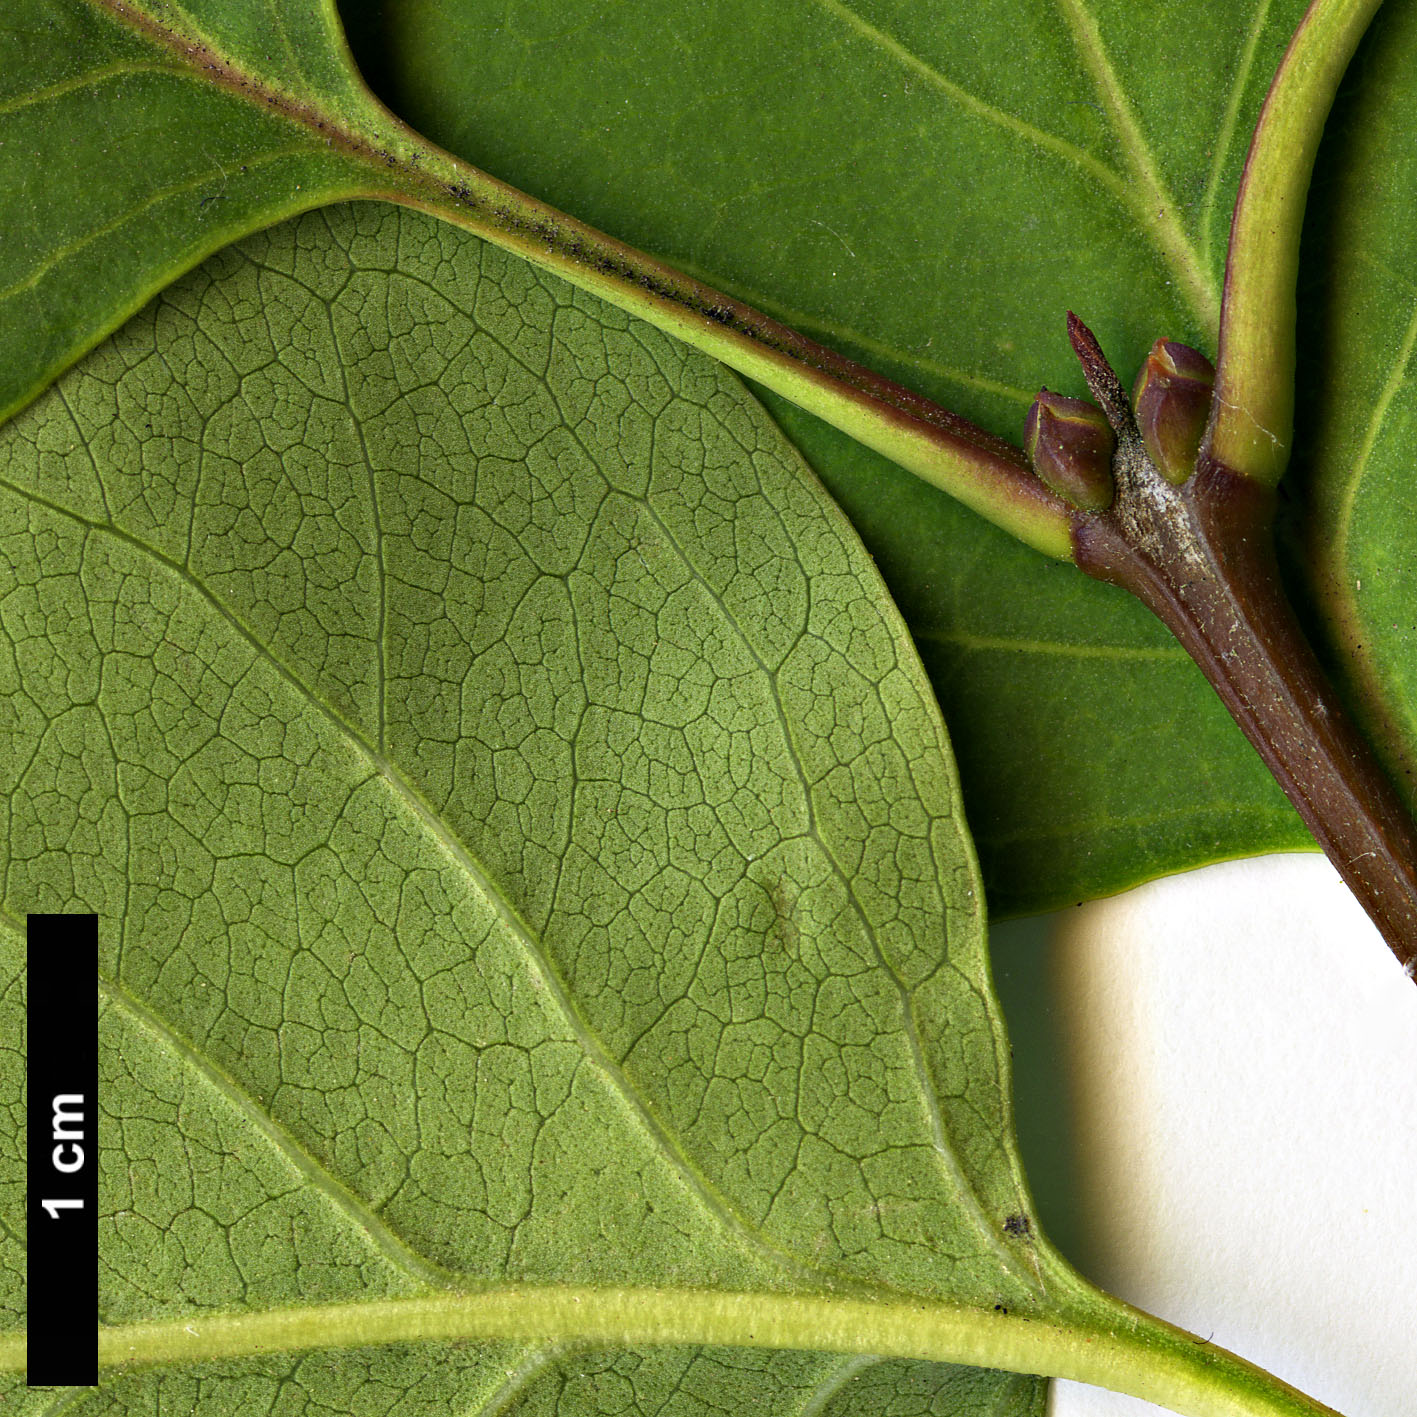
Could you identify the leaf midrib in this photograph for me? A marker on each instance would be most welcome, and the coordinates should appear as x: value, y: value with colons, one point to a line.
x: 570, y: 1314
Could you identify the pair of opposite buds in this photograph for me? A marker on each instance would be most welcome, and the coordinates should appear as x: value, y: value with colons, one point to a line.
x: 1070, y: 443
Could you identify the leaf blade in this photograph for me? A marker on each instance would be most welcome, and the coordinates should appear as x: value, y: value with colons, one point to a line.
x: 802, y: 1087
x: 304, y: 834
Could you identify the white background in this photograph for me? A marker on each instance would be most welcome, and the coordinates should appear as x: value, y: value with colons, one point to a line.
x: 1217, y: 1092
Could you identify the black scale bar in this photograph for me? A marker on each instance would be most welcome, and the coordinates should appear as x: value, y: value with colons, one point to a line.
x: 62, y: 1103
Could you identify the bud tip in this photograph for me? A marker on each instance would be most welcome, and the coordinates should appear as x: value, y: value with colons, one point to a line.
x: 1172, y: 400
x: 1070, y: 445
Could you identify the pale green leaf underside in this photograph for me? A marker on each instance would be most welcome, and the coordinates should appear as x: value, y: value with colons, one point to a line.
x: 436, y: 1379
x: 527, y: 845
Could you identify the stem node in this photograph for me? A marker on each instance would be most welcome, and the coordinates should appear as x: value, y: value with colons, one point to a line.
x: 1200, y: 556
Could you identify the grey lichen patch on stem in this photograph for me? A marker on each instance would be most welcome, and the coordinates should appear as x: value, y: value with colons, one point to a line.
x: 1200, y: 556
x: 1146, y: 506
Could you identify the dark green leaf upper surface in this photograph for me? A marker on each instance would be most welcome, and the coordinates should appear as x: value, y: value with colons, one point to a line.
x: 930, y: 188
x: 1354, y: 481
x: 527, y: 845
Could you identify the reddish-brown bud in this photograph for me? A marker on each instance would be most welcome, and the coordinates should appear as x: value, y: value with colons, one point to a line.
x: 1070, y: 445
x: 1172, y: 402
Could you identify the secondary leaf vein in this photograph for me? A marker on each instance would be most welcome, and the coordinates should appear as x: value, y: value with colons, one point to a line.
x: 356, y: 1210
x: 90, y: 79
x: 60, y: 254
x: 1147, y: 194
x: 1226, y: 136
x: 1011, y: 123
x: 1336, y: 543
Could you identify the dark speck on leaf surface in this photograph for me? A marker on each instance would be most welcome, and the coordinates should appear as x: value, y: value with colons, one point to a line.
x: 1016, y: 1225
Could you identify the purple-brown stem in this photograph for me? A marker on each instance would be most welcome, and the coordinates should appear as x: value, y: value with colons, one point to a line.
x: 1201, y: 557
